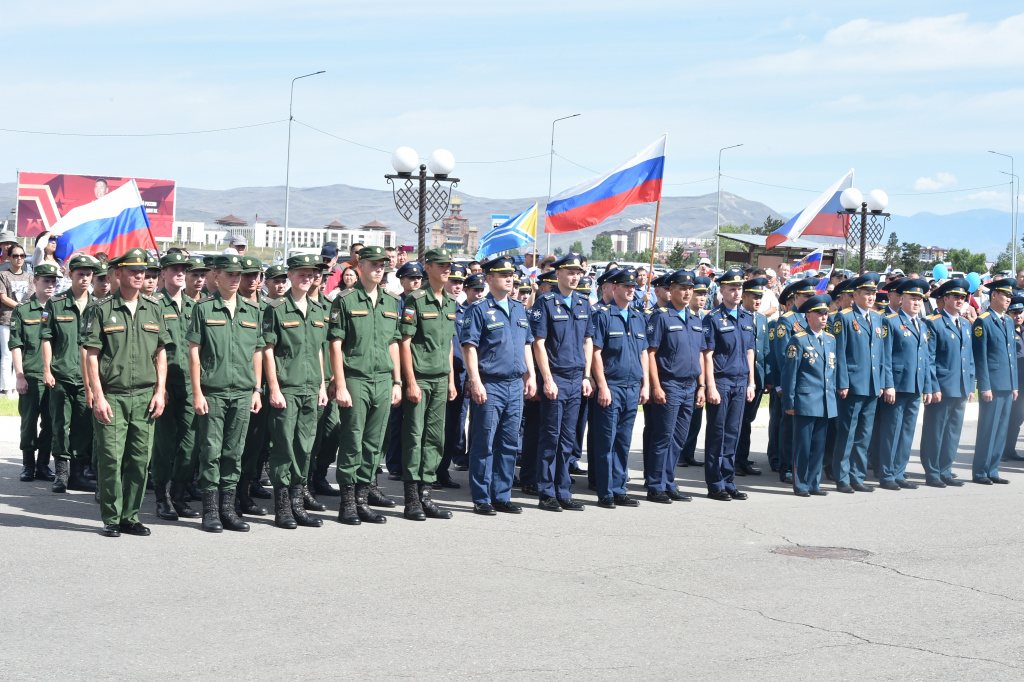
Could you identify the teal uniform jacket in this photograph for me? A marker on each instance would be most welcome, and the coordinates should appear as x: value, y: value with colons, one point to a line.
x: 952, y: 368
x: 809, y: 375
x: 908, y: 352
x: 788, y: 324
x: 861, y: 347
x: 995, y: 352
x: 762, y: 349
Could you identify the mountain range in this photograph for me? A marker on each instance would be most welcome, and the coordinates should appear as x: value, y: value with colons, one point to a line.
x: 984, y: 230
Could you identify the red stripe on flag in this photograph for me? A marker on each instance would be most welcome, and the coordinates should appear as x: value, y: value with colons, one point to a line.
x: 589, y: 215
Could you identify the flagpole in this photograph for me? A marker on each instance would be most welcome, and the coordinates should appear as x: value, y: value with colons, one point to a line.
x: 654, y: 243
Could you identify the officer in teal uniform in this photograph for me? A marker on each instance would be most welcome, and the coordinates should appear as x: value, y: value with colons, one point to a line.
x: 753, y: 291
x: 995, y: 364
x: 907, y: 336
x: 808, y: 380
x: 729, y: 372
x: 950, y: 381
x: 864, y: 375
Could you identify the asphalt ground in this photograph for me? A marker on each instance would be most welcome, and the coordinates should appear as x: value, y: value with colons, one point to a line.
x: 681, y: 590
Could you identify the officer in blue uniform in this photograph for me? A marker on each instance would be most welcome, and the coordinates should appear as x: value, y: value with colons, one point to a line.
x: 584, y: 289
x: 842, y: 298
x: 885, y: 305
x: 790, y: 322
x: 864, y: 374
x: 455, y: 410
x: 808, y: 379
x: 546, y: 281
x: 675, y: 339
x: 687, y: 455
x: 495, y: 336
x: 604, y: 299
x: 950, y: 381
x: 907, y: 336
x: 729, y: 371
x: 995, y: 364
x: 621, y: 374
x: 562, y: 326
x: 1016, y: 313
x: 411, y: 276
x: 753, y: 291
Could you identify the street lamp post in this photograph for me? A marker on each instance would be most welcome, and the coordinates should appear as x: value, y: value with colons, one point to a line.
x: 871, y: 227
x: 1013, y: 220
x: 288, y: 159
x: 414, y: 197
x: 551, y: 167
x: 718, y: 210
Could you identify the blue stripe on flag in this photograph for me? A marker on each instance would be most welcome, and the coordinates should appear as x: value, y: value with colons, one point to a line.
x: 101, y: 231
x: 615, y: 185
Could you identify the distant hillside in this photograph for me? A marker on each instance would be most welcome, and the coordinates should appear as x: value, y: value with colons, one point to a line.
x: 980, y: 230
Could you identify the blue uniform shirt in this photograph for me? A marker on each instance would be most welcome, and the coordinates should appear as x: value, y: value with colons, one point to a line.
x: 563, y: 330
x: 621, y: 344
x: 677, y: 342
x: 951, y: 371
x: 729, y: 338
x: 908, y: 352
x: 861, y: 344
x: 808, y: 375
x: 995, y: 352
x: 499, y: 339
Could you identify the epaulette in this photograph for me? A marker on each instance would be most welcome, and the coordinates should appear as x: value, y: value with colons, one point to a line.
x: 419, y: 293
x: 891, y: 315
x: 348, y: 292
x: 829, y: 334
x: 60, y: 297
x: 933, y: 316
x: 100, y: 301
x: 276, y: 302
x: 799, y: 334
x: 663, y: 309
x: 204, y: 299
x: 389, y: 293
x: 476, y: 302
x: 25, y: 302
x: 846, y: 310
x: 983, y: 315
x: 788, y: 313
x: 548, y: 296
x: 152, y: 299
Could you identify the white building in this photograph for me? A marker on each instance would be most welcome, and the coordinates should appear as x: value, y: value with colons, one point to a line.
x: 270, y: 235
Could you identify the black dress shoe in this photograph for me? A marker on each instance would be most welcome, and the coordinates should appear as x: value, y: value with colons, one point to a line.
x: 659, y: 496
x: 690, y: 461
x: 606, y: 502
x: 861, y: 488
x: 549, y: 504
x: 677, y: 496
x: 1012, y: 457
x: 801, y: 493
x: 625, y: 501
x: 28, y: 474
x: 682, y: 463
x: 720, y: 495
x: 394, y: 476
x: 461, y: 467
x: 819, y: 493
x: 569, y: 504
x: 507, y: 508
x: 907, y: 485
x: 788, y: 478
x: 483, y: 508
x: 748, y: 468
x: 576, y: 471
x: 844, y: 489
x: 111, y: 530
x: 957, y: 484
x: 592, y: 486
x: 774, y: 467
x: 322, y: 487
x: 889, y: 485
x: 736, y: 494
x: 134, y: 528
x: 739, y: 471
x: 935, y: 484
x: 994, y: 479
x: 45, y: 474
x: 530, y: 489
x: 829, y: 476
x: 446, y: 482
x: 981, y: 480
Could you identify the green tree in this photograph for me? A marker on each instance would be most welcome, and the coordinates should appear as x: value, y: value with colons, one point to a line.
x: 642, y: 256
x: 677, y: 257
x: 966, y: 261
x: 892, y: 250
x: 576, y: 247
x: 601, y: 248
x: 1004, y: 262
x: 559, y: 252
x: 768, y: 226
x: 910, y: 257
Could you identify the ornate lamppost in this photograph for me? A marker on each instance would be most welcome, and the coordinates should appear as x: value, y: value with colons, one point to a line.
x: 871, y: 226
x: 413, y: 196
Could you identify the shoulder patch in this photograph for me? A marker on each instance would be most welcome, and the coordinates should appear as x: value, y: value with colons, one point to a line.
x: 791, y: 351
x: 548, y: 296
x: 419, y: 293
x: 151, y: 299
x: 828, y: 333
x: 389, y: 293
x: 891, y: 315
x: 346, y: 292
x: 60, y: 297
x: 788, y: 313
x: 800, y: 334
x: 979, y: 330
x: 663, y: 309
x: 276, y: 302
x: 984, y: 315
x: 846, y: 310
x: 204, y: 299
x: 933, y: 316
x: 25, y: 302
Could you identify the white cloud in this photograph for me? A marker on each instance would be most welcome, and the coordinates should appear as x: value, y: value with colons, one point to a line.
x: 989, y: 197
x: 940, y: 181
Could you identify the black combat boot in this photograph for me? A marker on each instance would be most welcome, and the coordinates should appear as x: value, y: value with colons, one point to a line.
x: 429, y: 508
x: 77, y: 479
x: 283, y: 509
x: 259, y: 492
x: 60, y: 481
x: 228, y: 519
x: 43, y: 471
x: 164, y: 509
x: 362, y: 505
x: 28, y: 466
x: 413, y: 509
x: 310, y: 502
x: 299, y: 508
x: 320, y: 485
x: 180, y: 504
x: 378, y: 499
x: 245, y: 500
x: 347, y: 514
x: 211, y: 515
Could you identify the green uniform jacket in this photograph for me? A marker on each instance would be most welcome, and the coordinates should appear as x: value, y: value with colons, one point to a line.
x: 178, y: 322
x: 297, y: 342
x: 366, y: 331
x: 430, y: 321
x: 126, y: 343
x: 325, y: 345
x: 63, y: 329
x: 227, y: 345
x: 27, y: 322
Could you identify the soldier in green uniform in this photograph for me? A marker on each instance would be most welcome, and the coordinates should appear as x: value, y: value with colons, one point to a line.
x: 62, y: 373
x: 364, y: 355
x: 124, y: 337
x: 227, y: 375
x: 174, y: 437
x: 255, y: 433
x: 325, y: 444
x: 427, y: 327
x: 27, y: 321
x: 152, y: 279
x: 293, y: 365
x: 195, y: 278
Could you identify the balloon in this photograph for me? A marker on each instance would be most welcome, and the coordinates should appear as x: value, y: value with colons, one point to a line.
x: 940, y: 272
x: 974, y: 279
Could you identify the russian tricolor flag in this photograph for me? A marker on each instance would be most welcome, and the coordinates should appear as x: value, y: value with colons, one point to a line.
x: 638, y: 181
x: 114, y: 223
x: 820, y: 218
x: 811, y: 261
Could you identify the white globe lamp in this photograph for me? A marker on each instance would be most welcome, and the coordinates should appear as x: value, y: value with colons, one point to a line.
x: 405, y: 160
x: 441, y: 162
x: 877, y: 200
x: 851, y: 198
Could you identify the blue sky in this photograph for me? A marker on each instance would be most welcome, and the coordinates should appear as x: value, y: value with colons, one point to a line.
x: 911, y: 94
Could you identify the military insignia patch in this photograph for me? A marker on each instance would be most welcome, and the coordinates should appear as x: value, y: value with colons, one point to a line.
x: 885, y: 332
x: 334, y: 315
x: 979, y: 331
x: 408, y: 315
x: 650, y: 329
x: 791, y: 352
x: 780, y: 331
x: 771, y: 334
x: 837, y: 328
